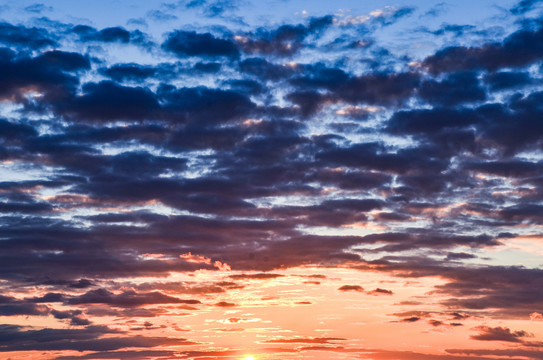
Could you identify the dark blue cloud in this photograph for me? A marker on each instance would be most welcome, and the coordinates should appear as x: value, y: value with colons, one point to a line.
x: 112, y: 34
x: 519, y: 49
x: 455, y: 89
x: 524, y: 6
x: 26, y: 38
x: 131, y: 71
x: 52, y: 73
x: 205, y: 104
x: 108, y: 101
x: 191, y: 43
x: 284, y: 40
x: 456, y: 30
x: 503, y: 80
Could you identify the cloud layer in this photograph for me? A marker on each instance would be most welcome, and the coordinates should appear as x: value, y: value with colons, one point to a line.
x: 245, y: 152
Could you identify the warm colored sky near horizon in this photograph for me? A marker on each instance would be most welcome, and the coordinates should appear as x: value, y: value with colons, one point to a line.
x: 265, y: 180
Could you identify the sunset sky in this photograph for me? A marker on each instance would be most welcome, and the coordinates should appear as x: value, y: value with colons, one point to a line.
x: 271, y: 180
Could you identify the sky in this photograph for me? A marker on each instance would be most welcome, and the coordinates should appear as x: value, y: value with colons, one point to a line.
x: 276, y: 179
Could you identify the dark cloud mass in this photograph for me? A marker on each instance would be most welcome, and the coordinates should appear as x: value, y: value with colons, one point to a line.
x: 190, y: 43
x: 519, y: 49
x: 284, y: 40
x: 22, y: 37
x: 499, y: 334
x: 223, y: 146
x: 15, y: 338
x: 126, y: 299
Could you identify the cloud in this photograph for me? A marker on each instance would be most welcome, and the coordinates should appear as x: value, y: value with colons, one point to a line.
x: 318, y: 340
x: 455, y: 89
x: 194, y: 104
x: 10, y: 306
x: 108, y: 101
x: 260, y: 149
x: 411, y: 319
x: 160, y: 16
x: 129, y: 71
x: 456, y: 30
x: 126, y: 298
x: 190, y: 43
x: 127, y: 354
x: 379, y: 88
x: 212, y: 8
x: 16, y: 338
x: 519, y: 353
x: 79, y: 321
x: 52, y: 73
x: 504, y: 292
x: 225, y: 304
x: 284, y: 40
x: 502, y: 80
x: 38, y: 8
x: 499, y: 334
x: 524, y: 6
x: 489, y: 121
x: 380, y: 291
x: 411, y: 355
x: 23, y: 37
x: 107, y: 35
x: 385, y: 16
x: 351, y: 288
x: 258, y: 276
x: 81, y: 284
x: 519, y: 49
